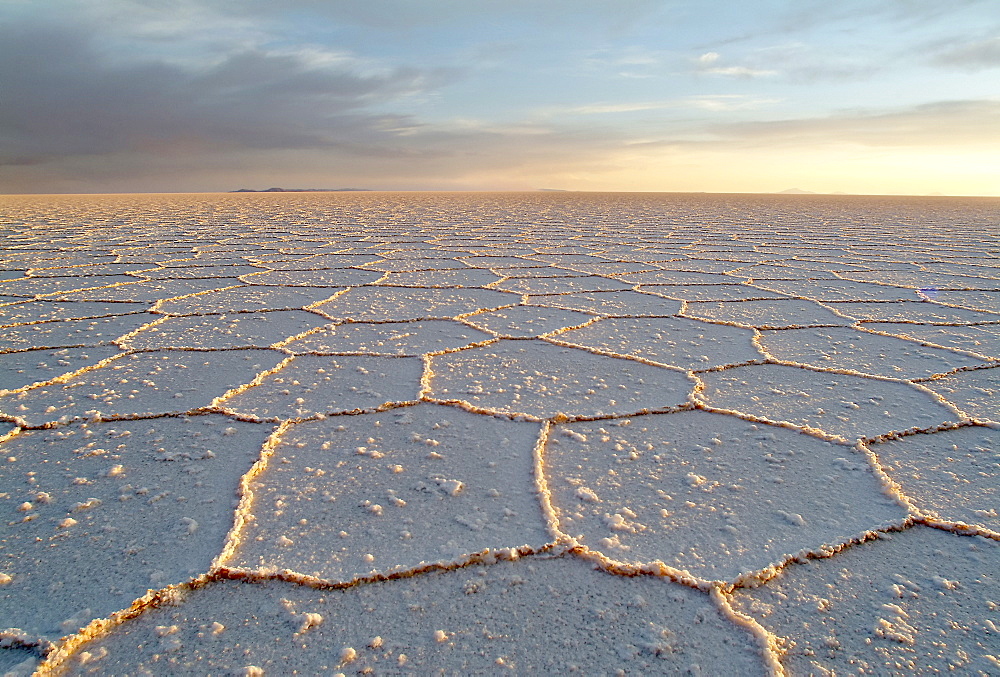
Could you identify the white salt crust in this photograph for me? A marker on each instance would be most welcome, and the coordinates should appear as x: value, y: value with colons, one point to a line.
x: 540, y: 433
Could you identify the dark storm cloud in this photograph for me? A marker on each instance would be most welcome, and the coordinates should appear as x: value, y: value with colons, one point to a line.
x: 61, y: 98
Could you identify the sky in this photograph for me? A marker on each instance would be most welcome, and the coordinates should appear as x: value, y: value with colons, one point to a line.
x: 854, y: 96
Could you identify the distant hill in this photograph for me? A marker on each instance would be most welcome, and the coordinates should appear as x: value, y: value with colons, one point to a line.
x: 796, y: 191
x: 299, y: 190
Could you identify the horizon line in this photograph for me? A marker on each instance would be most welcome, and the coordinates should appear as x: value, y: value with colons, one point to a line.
x: 793, y: 193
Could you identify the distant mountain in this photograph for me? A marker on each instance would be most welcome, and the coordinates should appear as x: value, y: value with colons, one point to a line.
x: 552, y: 190
x: 796, y: 191
x: 299, y: 190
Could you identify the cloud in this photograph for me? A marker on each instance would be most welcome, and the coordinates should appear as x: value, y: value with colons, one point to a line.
x: 61, y: 99
x: 405, y: 15
x: 706, y: 102
x: 706, y: 63
x: 971, y: 56
x: 973, y: 123
x: 728, y: 102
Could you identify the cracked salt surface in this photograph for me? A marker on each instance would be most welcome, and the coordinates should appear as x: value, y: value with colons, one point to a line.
x: 404, y: 303
x: 25, y: 368
x: 544, y: 380
x: 612, y: 303
x: 676, y: 341
x: 951, y: 475
x: 546, y: 616
x: 68, y: 333
x: 389, y: 338
x: 150, y: 292
x: 983, y: 339
x: 708, y: 494
x: 527, y: 321
x: 920, y: 601
x: 848, y: 348
x: 138, y: 385
x: 766, y: 314
x: 235, y: 330
x: 320, y: 433
x: 843, y: 405
x: 143, y: 503
x: 977, y: 393
x: 42, y: 311
x: 310, y: 385
x: 344, y: 497
x: 921, y: 312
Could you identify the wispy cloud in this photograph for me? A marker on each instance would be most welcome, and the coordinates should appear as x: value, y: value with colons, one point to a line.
x: 705, y: 102
x: 974, y: 123
x: 972, y: 56
x: 709, y: 63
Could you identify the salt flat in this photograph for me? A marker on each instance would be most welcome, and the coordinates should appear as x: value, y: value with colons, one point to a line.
x: 499, y: 433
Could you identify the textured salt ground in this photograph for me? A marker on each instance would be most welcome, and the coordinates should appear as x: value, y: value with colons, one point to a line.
x: 396, y: 303
x: 675, y: 341
x: 345, y: 497
x: 988, y: 301
x: 150, y: 292
x: 766, y: 271
x: 848, y: 348
x: 20, y: 369
x: 923, y: 279
x: 325, y: 261
x: 196, y: 272
x: 836, y: 290
x: 42, y: 286
x: 612, y: 303
x: 843, y: 405
x: 767, y: 314
x: 142, y: 503
x: 701, y: 265
x: 944, y: 475
x: 319, y: 278
x: 925, y: 312
x: 441, y: 278
x: 979, y: 267
x: 140, y: 384
x: 493, y: 262
x: 90, y: 269
x: 657, y: 277
x: 389, y: 338
x: 406, y: 265
x: 606, y: 268
x: 950, y: 475
x: 546, y: 271
x: 310, y: 385
x: 65, y: 333
x: 544, y: 380
x: 977, y: 393
x: 41, y: 311
x: 527, y: 321
x: 921, y: 601
x: 235, y: 330
x: 983, y: 339
x: 561, y: 285
x: 711, y: 292
x: 245, y: 299
x: 548, y: 616
x: 709, y: 494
